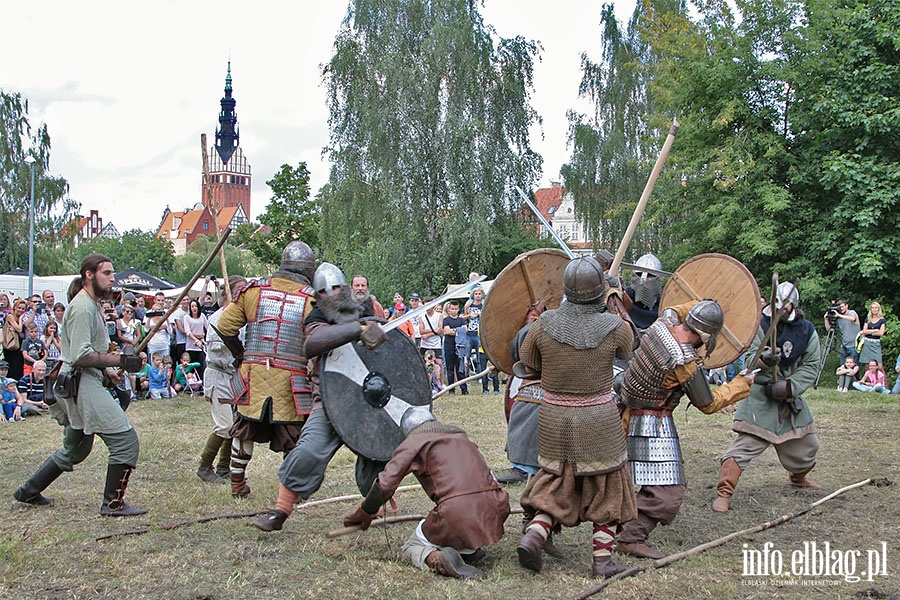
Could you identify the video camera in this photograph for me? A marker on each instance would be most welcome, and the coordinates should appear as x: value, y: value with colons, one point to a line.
x: 833, y: 311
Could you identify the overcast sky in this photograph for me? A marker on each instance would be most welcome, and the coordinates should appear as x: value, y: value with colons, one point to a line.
x: 126, y: 89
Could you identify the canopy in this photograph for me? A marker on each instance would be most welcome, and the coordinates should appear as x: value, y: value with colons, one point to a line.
x: 133, y: 279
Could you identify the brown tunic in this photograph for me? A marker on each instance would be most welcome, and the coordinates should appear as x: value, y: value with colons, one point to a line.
x: 471, y: 506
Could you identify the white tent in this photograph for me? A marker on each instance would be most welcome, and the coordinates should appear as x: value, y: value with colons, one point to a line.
x: 16, y: 286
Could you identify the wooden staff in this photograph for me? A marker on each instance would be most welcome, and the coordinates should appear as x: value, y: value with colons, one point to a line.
x: 490, y: 368
x: 143, y: 343
x: 387, y: 521
x: 642, y: 203
x: 214, y: 211
x: 667, y: 560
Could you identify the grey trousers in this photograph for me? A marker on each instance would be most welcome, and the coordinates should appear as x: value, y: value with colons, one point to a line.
x: 123, y: 448
x: 303, y: 469
x: 796, y: 456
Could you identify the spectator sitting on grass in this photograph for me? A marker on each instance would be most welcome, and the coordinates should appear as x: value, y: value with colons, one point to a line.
x: 142, y: 378
x: 873, y: 380
x: 10, y: 401
x: 31, y: 391
x: 847, y: 374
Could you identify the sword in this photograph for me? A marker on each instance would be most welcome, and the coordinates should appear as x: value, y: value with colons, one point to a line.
x: 565, y: 247
x: 426, y: 307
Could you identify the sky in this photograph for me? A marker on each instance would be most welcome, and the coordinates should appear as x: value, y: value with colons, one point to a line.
x: 127, y: 89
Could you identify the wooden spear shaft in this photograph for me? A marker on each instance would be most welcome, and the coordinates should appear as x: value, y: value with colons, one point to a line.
x: 642, y: 203
x: 215, y: 213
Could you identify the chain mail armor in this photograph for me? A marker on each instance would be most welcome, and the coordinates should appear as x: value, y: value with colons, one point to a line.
x: 275, y: 338
x: 654, y: 453
x: 579, y: 423
x: 580, y: 325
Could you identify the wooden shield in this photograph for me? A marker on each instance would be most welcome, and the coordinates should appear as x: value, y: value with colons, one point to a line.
x: 726, y: 280
x: 532, y: 276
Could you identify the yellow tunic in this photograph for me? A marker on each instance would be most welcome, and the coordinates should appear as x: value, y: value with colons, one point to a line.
x: 265, y: 382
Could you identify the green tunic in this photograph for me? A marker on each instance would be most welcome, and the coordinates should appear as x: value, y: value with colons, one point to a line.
x: 770, y: 419
x: 96, y: 411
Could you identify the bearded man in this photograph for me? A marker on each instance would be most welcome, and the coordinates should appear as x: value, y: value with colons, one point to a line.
x: 360, y: 291
x: 271, y: 391
x: 337, y: 319
x: 581, y: 445
x: 85, y: 350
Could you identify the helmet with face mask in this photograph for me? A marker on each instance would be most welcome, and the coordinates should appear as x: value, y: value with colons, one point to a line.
x: 647, y: 286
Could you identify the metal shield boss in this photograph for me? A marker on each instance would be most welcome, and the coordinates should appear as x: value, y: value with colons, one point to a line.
x: 726, y: 280
x: 531, y: 277
x: 365, y: 392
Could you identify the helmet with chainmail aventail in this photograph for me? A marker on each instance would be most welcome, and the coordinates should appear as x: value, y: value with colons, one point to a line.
x: 583, y: 280
x: 706, y: 319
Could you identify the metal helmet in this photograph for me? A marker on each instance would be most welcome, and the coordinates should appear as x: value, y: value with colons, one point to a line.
x: 327, y: 277
x: 649, y: 261
x: 583, y: 280
x: 786, y: 293
x: 298, y: 258
x: 413, y: 417
x: 706, y: 319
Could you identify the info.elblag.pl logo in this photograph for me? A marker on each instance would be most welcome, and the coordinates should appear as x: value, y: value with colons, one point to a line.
x: 813, y: 563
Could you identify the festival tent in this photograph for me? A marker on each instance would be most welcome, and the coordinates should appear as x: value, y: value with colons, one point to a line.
x: 16, y: 286
x: 138, y: 281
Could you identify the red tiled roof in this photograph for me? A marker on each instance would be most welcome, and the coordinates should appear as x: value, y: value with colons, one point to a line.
x: 548, y: 200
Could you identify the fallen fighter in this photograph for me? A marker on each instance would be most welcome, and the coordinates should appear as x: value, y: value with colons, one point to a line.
x: 471, y: 507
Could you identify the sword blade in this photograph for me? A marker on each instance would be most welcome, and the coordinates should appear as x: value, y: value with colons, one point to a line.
x: 426, y: 307
x: 545, y: 223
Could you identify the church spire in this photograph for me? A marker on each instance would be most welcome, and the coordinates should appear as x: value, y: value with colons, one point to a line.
x: 227, y: 137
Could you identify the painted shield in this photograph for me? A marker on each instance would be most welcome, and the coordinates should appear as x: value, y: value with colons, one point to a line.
x: 726, y: 280
x: 365, y: 392
x: 531, y: 277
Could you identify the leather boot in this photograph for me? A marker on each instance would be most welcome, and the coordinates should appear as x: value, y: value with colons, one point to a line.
x: 239, y: 487
x: 207, y: 474
x: 114, y: 505
x: 552, y: 550
x: 448, y: 562
x: 30, y: 492
x: 639, y: 549
x: 800, y: 480
x: 530, y: 550
x: 728, y: 478
x: 273, y: 521
x: 604, y: 566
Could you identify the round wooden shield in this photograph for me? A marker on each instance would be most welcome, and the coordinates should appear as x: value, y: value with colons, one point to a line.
x: 726, y: 280
x: 532, y: 276
x: 365, y: 392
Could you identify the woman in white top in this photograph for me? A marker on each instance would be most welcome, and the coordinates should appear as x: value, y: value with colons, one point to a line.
x: 195, y: 329
x: 430, y: 325
x: 160, y: 342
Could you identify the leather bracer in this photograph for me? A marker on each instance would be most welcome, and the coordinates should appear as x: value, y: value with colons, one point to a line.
x: 98, y: 360
x: 374, y: 500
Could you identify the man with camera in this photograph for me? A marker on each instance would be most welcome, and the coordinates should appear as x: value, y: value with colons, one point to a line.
x: 39, y: 311
x: 848, y: 324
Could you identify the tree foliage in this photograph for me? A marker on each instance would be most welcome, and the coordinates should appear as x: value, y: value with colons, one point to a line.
x: 291, y: 215
x: 788, y: 147
x: 137, y: 249
x: 237, y: 261
x: 429, y: 124
x: 53, y: 208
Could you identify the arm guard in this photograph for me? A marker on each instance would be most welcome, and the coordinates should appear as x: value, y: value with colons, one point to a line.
x: 98, y: 360
x: 328, y: 337
x: 696, y: 388
x: 374, y: 500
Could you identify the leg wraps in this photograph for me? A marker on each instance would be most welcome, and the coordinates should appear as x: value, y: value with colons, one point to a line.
x: 603, y: 538
x: 542, y: 523
x: 241, y: 453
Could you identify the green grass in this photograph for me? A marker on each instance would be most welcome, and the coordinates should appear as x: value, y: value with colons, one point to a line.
x: 52, y: 552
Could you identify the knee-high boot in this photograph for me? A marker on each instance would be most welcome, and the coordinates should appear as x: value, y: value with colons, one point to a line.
x: 728, y: 478
x: 30, y: 492
x: 114, y: 505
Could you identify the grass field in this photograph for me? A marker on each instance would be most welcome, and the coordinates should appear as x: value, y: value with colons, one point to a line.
x: 52, y: 552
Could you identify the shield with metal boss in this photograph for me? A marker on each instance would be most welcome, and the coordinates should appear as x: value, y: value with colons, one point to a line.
x: 365, y: 392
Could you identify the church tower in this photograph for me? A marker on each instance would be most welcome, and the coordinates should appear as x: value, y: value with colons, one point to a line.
x: 229, y: 172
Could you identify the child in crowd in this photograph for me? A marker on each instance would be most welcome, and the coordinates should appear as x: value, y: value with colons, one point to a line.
x: 435, y: 374
x: 847, y: 374
x: 10, y: 401
x: 33, y: 349
x: 52, y: 343
x: 184, y: 367
x: 158, y: 379
x: 873, y: 380
x: 142, y: 378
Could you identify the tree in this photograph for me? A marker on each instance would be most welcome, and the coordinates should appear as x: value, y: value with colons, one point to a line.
x: 612, y: 148
x: 429, y: 127
x: 237, y: 262
x: 53, y: 207
x: 291, y: 215
x: 137, y: 249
